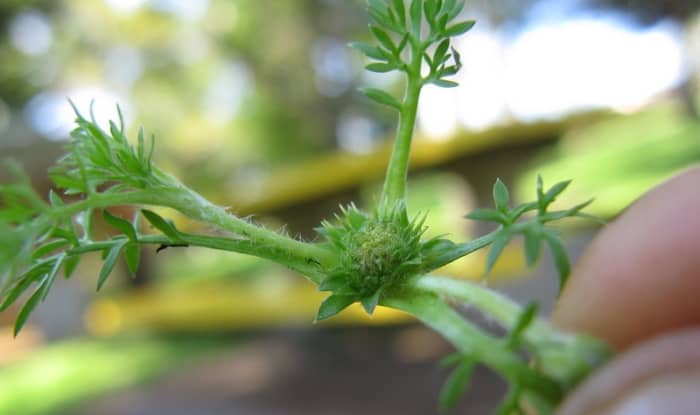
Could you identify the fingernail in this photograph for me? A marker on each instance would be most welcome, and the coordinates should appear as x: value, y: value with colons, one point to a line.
x: 671, y: 394
x: 661, y: 376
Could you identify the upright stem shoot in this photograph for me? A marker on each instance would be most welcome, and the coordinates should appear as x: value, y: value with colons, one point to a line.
x: 395, y: 182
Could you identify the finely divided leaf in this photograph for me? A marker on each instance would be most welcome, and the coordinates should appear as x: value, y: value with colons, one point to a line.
x: 379, y: 5
x: 440, y: 55
x: 18, y: 289
x: 49, y: 279
x: 381, y: 97
x: 524, y: 321
x: 518, y: 211
x: 459, y: 28
x: 370, y: 51
x: 456, y: 384
x: 48, y: 248
x: 380, y: 67
x: 110, y: 262
x: 430, y: 10
x: 416, y: 12
x: 161, y: 224
x: 69, y: 266
x: 26, y: 311
x: 400, y: 9
x: 123, y: 225
x: 380, y: 15
x: 132, y: 256
x: 495, y: 251
x: 55, y: 200
x: 555, y: 191
x: 383, y: 38
x: 489, y: 215
x: 500, y: 196
x: 447, y: 251
x: 532, y: 247
x: 451, y: 359
x: 457, y: 58
x: 561, y: 259
x: 456, y: 9
x: 444, y: 83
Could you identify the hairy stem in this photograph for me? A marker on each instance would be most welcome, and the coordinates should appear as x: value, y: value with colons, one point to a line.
x: 194, y: 206
x: 395, y: 182
x: 242, y: 246
x: 496, y: 305
x: 551, y: 346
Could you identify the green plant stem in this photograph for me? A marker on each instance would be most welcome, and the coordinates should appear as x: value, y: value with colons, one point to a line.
x: 197, y: 207
x: 397, y: 171
x: 470, y: 340
x: 242, y: 246
x: 194, y: 206
x: 566, y: 356
x: 496, y: 305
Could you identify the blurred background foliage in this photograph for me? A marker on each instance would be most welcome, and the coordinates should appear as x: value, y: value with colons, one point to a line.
x: 254, y: 103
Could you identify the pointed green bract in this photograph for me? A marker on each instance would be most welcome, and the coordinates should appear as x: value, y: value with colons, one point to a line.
x: 377, y: 252
x: 333, y: 305
x: 333, y: 283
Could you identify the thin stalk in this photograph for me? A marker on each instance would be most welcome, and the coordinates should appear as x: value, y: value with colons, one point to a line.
x: 194, y: 206
x: 472, y: 341
x: 397, y: 171
x: 242, y: 246
x: 496, y: 305
x: 552, y: 347
x: 197, y: 207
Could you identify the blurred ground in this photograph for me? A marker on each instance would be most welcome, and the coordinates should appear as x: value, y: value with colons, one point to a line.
x: 320, y: 372
x: 329, y: 372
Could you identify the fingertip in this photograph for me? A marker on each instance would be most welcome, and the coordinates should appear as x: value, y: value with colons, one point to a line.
x: 640, y: 276
x: 657, y: 376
